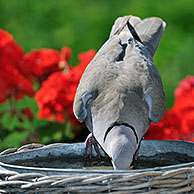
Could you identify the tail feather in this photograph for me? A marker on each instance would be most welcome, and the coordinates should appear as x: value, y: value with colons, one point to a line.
x: 120, y: 24
x: 149, y: 30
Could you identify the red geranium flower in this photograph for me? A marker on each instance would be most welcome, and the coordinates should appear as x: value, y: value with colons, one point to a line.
x: 85, y: 59
x: 5, y: 38
x: 41, y: 63
x: 10, y: 52
x: 52, y: 97
x: 187, y: 123
x: 12, y: 82
x: 55, y: 97
x: 185, y: 88
x: 178, y: 122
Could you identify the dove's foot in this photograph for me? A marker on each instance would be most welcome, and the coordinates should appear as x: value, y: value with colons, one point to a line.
x: 90, y: 140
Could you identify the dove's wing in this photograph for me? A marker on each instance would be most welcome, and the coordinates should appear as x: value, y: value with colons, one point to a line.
x: 89, y: 85
x: 154, y: 96
x: 86, y: 91
x: 150, y: 31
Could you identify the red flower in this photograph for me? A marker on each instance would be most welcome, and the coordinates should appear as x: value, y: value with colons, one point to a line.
x: 10, y: 52
x: 12, y: 82
x: 41, y: 63
x: 52, y: 97
x: 167, y: 128
x: 185, y: 88
x: 55, y: 97
x: 187, y: 123
x: 178, y: 122
x: 85, y: 59
x: 5, y: 38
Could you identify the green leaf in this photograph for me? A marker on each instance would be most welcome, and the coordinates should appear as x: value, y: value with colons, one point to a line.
x: 14, y: 139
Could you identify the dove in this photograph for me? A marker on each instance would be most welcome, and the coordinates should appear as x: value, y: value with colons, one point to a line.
x: 121, y: 92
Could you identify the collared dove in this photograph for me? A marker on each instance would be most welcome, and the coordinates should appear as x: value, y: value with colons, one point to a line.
x: 120, y: 92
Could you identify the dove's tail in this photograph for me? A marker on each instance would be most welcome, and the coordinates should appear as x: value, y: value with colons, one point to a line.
x: 149, y: 30
x: 120, y: 24
x: 133, y: 32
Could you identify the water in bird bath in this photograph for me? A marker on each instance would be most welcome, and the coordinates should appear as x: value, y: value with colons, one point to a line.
x: 153, y: 153
x: 142, y: 162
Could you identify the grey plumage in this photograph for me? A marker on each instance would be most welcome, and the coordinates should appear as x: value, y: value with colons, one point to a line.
x: 149, y: 30
x: 122, y: 85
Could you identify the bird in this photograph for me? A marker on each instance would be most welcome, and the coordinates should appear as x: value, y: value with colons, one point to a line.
x: 121, y: 92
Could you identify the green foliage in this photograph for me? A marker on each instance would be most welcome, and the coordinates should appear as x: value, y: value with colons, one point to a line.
x: 14, y: 131
x: 84, y: 25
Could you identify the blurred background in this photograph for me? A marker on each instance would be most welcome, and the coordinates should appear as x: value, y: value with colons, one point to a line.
x: 83, y: 25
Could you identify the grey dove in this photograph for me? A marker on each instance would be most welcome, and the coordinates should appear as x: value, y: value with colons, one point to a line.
x: 120, y: 92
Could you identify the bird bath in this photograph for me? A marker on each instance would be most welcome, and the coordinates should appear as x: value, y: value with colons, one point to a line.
x: 153, y: 154
x: 162, y: 167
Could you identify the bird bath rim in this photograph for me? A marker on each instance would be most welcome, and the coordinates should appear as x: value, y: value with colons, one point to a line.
x: 149, y: 149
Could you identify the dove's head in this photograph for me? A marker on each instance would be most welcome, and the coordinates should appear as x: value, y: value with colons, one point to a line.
x: 121, y: 146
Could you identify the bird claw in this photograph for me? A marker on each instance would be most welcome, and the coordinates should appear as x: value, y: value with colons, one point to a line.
x: 90, y: 140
